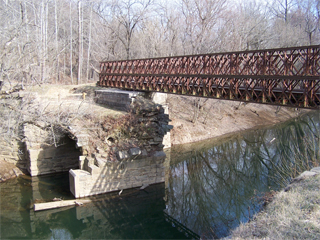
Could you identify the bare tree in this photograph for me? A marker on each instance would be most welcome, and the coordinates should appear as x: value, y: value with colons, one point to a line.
x: 310, y: 13
x: 125, y: 15
x: 89, y: 40
x: 248, y: 27
x: 39, y: 38
x: 200, y: 18
x: 170, y: 20
x: 282, y: 8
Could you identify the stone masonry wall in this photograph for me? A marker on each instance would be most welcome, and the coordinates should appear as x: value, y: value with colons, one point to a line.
x: 138, y: 162
x: 53, y: 160
x: 113, y: 176
x: 12, y: 151
x: 45, y: 159
x: 115, y: 98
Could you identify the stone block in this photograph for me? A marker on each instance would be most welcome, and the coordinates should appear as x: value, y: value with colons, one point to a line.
x: 159, y: 98
x: 100, y: 162
x: 94, y: 170
x: 144, y: 153
x: 34, y: 154
x: 81, y: 161
x: 159, y: 154
x: 134, y: 151
x: 77, y: 178
x: 122, y: 155
x: 167, y: 140
x: 118, y: 99
x: 112, y: 176
x: 157, y: 139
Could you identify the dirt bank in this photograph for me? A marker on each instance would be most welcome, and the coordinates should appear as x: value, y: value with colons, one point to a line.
x: 196, y: 119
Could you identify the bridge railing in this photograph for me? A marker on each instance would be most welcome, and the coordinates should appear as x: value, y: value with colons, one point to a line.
x: 297, y: 61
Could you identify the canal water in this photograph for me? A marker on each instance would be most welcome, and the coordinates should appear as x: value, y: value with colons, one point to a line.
x: 210, y: 188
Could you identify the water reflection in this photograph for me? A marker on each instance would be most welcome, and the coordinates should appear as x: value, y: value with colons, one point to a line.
x: 61, y: 233
x: 210, y: 188
x: 136, y: 214
x: 213, y: 186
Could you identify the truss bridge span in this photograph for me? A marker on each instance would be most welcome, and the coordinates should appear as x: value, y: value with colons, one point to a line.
x: 283, y: 76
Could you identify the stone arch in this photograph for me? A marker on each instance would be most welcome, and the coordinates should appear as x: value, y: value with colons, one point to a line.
x: 45, y: 158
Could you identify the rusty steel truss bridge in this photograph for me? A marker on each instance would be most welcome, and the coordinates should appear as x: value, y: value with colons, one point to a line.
x: 284, y: 76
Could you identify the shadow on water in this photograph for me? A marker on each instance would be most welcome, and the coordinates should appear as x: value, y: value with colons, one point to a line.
x: 210, y: 188
x: 214, y: 185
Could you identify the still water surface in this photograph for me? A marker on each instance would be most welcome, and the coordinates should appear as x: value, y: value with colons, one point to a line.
x: 210, y: 188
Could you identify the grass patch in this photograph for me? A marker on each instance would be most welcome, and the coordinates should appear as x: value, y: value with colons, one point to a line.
x: 294, y: 214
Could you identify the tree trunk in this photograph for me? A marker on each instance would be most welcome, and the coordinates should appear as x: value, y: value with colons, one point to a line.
x: 89, y: 42
x: 57, y: 43
x: 79, y: 43
x: 71, y: 43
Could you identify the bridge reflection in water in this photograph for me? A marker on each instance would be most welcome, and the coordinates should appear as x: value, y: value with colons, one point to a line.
x: 210, y: 188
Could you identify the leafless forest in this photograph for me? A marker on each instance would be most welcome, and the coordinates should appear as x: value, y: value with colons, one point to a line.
x: 62, y: 41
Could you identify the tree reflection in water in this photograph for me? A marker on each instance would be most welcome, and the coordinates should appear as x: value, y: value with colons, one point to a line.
x: 213, y: 186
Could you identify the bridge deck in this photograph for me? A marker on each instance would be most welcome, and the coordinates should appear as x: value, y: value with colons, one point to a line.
x: 279, y: 76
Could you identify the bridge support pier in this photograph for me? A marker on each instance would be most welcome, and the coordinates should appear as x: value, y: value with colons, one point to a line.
x: 136, y: 165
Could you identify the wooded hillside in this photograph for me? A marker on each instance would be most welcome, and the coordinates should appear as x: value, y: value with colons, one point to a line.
x: 62, y: 41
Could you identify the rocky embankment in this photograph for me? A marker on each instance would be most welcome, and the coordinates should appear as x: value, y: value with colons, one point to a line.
x: 139, y: 132
x: 8, y: 170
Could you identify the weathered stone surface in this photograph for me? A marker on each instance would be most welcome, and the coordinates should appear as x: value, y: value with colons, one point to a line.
x: 94, y: 170
x: 121, y: 155
x: 159, y: 154
x: 134, y: 151
x: 144, y: 153
x: 159, y: 98
x: 8, y: 170
x: 53, y: 159
x: 136, y: 166
x: 114, y: 98
x: 157, y: 139
x: 100, y: 161
x: 114, y: 176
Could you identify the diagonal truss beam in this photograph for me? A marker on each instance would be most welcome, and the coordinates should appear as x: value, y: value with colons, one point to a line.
x: 288, y: 76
